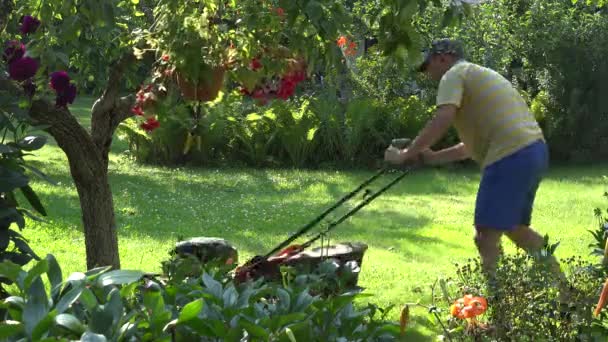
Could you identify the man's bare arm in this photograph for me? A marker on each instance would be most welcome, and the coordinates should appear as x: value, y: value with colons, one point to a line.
x: 434, y: 130
x: 447, y: 155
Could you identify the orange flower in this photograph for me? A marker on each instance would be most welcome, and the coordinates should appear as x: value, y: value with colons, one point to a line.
x: 342, y: 41
x: 468, y: 307
x: 602, y: 300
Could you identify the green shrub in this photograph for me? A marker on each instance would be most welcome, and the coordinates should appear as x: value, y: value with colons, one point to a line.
x: 124, y: 305
x: 523, y: 303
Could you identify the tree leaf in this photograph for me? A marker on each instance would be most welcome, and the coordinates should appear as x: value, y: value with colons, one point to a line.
x: 32, y: 197
x: 119, y: 277
x: 32, y: 142
x: 4, y: 240
x: 4, y: 149
x: 11, y: 180
x: 71, y: 323
x: 22, y: 244
x: 10, y: 270
x: 40, y: 174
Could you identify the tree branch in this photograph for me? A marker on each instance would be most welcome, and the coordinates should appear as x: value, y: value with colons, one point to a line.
x: 109, y: 110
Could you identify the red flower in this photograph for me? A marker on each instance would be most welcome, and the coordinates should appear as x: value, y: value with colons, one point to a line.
x: 66, y: 96
x: 23, y: 68
x: 60, y: 81
x: 255, y: 64
x: 280, y: 11
x: 287, y: 88
x: 150, y: 125
x: 13, y: 51
x: 342, y: 41
x: 29, y: 24
x: 165, y: 58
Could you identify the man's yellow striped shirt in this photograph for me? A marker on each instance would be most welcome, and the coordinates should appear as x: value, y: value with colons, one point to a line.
x: 493, y: 120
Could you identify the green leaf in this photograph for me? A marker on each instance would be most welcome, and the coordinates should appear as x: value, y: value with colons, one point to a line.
x: 43, y: 326
x: 23, y: 247
x: 101, y: 320
x: 31, y: 196
x: 303, y: 301
x: 69, y: 298
x: 10, y: 270
x: 10, y: 329
x: 33, y: 142
x: 54, y: 272
x: 36, y: 306
x: 41, y: 267
x: 230, y: 297
x: 119, y: 277
x: 7, y: 149
x: 284, y: 299
x: 14, y: 301
x: 4, y: 240
x: 71, y: 323
x: 92, y: 337
x: 190, y: 311
x: 40, y: 174
x: 254, y: 330
x: 10, y: 180
x: 114, y: 306
x: 213, y: 286
x: 88, y: 299
x: 95, y: 272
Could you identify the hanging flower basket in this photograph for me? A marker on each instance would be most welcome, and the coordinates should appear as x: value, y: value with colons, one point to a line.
x: 207, y: 89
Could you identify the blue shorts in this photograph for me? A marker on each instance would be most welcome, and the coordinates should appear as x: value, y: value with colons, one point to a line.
x: 508, y: 187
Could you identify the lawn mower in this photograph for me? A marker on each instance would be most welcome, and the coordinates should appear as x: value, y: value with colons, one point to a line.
x: 345, y: 254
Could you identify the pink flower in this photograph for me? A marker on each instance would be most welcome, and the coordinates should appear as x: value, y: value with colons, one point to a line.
x: 60, y: 81
x: 13, y: 51
x: 29, y: 24
x: 137, y: 111
x: 23, y: 68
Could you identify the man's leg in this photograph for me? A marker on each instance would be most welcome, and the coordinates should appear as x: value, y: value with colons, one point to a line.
x: 488, y: 244
x: 533, y: 243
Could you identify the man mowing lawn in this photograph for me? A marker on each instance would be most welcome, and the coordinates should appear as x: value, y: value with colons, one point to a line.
x: 497, y: 131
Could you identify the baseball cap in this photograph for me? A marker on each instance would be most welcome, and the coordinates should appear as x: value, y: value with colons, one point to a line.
x: 441, y: 46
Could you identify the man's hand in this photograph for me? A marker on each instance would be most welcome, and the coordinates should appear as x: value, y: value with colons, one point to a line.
x: 395, y: 156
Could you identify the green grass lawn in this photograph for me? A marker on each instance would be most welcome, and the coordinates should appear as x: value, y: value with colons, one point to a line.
x: 415, y: 232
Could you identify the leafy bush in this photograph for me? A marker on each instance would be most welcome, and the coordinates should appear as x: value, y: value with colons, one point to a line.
x: 18, y: 140
x: 523, y: 303
x: 124, y: 305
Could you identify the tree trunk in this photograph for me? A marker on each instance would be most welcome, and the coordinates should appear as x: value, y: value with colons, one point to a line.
x: 98, y: 219
x: 88, y: 158
x: 89, y: 170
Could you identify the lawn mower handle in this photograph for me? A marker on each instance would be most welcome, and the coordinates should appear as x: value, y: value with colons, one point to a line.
x: 399, y: 143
